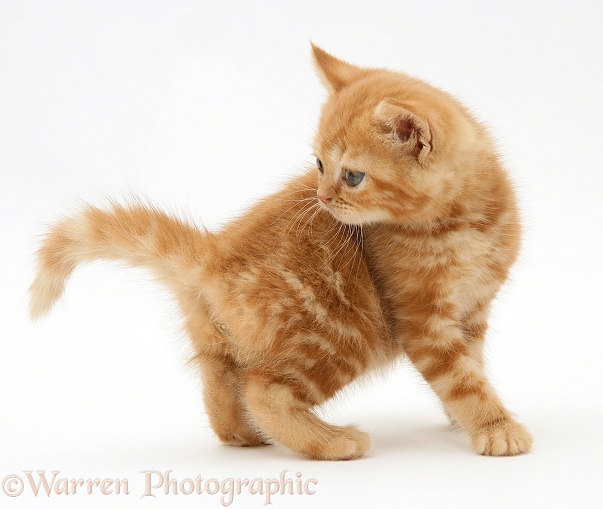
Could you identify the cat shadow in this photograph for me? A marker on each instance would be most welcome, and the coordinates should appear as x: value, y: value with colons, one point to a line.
x: 185, y: 451
x: 190, y: 449
x: 406, y: 436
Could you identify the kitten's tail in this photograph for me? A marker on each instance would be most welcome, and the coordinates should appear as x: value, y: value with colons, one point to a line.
x: 136, y: 234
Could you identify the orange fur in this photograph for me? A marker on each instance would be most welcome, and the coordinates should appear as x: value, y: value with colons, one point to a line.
x: 300, y: 296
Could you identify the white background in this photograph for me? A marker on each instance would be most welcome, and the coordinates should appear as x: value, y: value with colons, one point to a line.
x: 203, y: 107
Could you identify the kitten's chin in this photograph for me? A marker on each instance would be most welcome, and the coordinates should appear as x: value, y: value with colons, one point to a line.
x: 356, y: 218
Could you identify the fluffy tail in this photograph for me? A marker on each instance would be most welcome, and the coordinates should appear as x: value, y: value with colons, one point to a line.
x: 138, y: 235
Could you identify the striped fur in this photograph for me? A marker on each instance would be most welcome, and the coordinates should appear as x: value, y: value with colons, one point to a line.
x: 280, y: 308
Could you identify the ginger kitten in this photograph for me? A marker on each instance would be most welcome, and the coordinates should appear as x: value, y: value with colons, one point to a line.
x: 395, y: 245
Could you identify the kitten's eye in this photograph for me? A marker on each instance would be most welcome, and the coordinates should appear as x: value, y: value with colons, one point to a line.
x: 353, y: 178
x: 319, y: 165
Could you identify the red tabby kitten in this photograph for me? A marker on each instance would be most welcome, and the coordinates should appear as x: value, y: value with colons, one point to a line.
x: 396, y: 245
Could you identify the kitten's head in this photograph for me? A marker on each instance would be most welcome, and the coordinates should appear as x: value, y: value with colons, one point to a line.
x: 390, y: 148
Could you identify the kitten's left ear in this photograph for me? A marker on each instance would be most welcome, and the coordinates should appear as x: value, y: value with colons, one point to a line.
x: 334, y: 73
x: 405, y: 126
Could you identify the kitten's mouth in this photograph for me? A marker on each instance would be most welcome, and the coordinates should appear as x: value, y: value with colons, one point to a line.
x: 350, y: 216
x: 342, y: 217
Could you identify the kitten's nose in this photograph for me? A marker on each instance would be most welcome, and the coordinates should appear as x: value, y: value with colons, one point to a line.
x: 325, y: 197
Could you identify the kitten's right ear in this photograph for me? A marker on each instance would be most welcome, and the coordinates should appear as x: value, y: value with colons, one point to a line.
x: 334, y: 73
x: 405, y: 126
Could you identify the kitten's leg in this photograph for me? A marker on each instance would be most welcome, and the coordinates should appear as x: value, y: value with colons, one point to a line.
x: 282, y: 409
x: 223, y: 404
x: 222, y: 386
x: 454, y: 370
x: 474, y: 326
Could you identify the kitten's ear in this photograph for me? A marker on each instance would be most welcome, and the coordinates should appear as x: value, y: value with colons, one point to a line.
x: 334, y: 73
x: 405, y: 126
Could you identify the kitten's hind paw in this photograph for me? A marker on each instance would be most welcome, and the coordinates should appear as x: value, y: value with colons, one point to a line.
x: 243, y: 436
x: 250, y: 441
x: 506, y: 438
x: 350, y: 443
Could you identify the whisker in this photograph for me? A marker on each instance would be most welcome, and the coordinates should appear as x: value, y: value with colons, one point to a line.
x: 305, y: 226
x: 299, y: 216
x: 361, y: 248
x: 352, y: 246
x: 343, y: 240
x: 285, y: 212
x: 318, y: 210
x: 334, y: 239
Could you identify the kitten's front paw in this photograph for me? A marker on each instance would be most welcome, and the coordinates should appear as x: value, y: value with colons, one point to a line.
x: 506, y: 438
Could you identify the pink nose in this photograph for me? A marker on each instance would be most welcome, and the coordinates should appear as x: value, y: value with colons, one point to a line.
x: 326, y: 198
